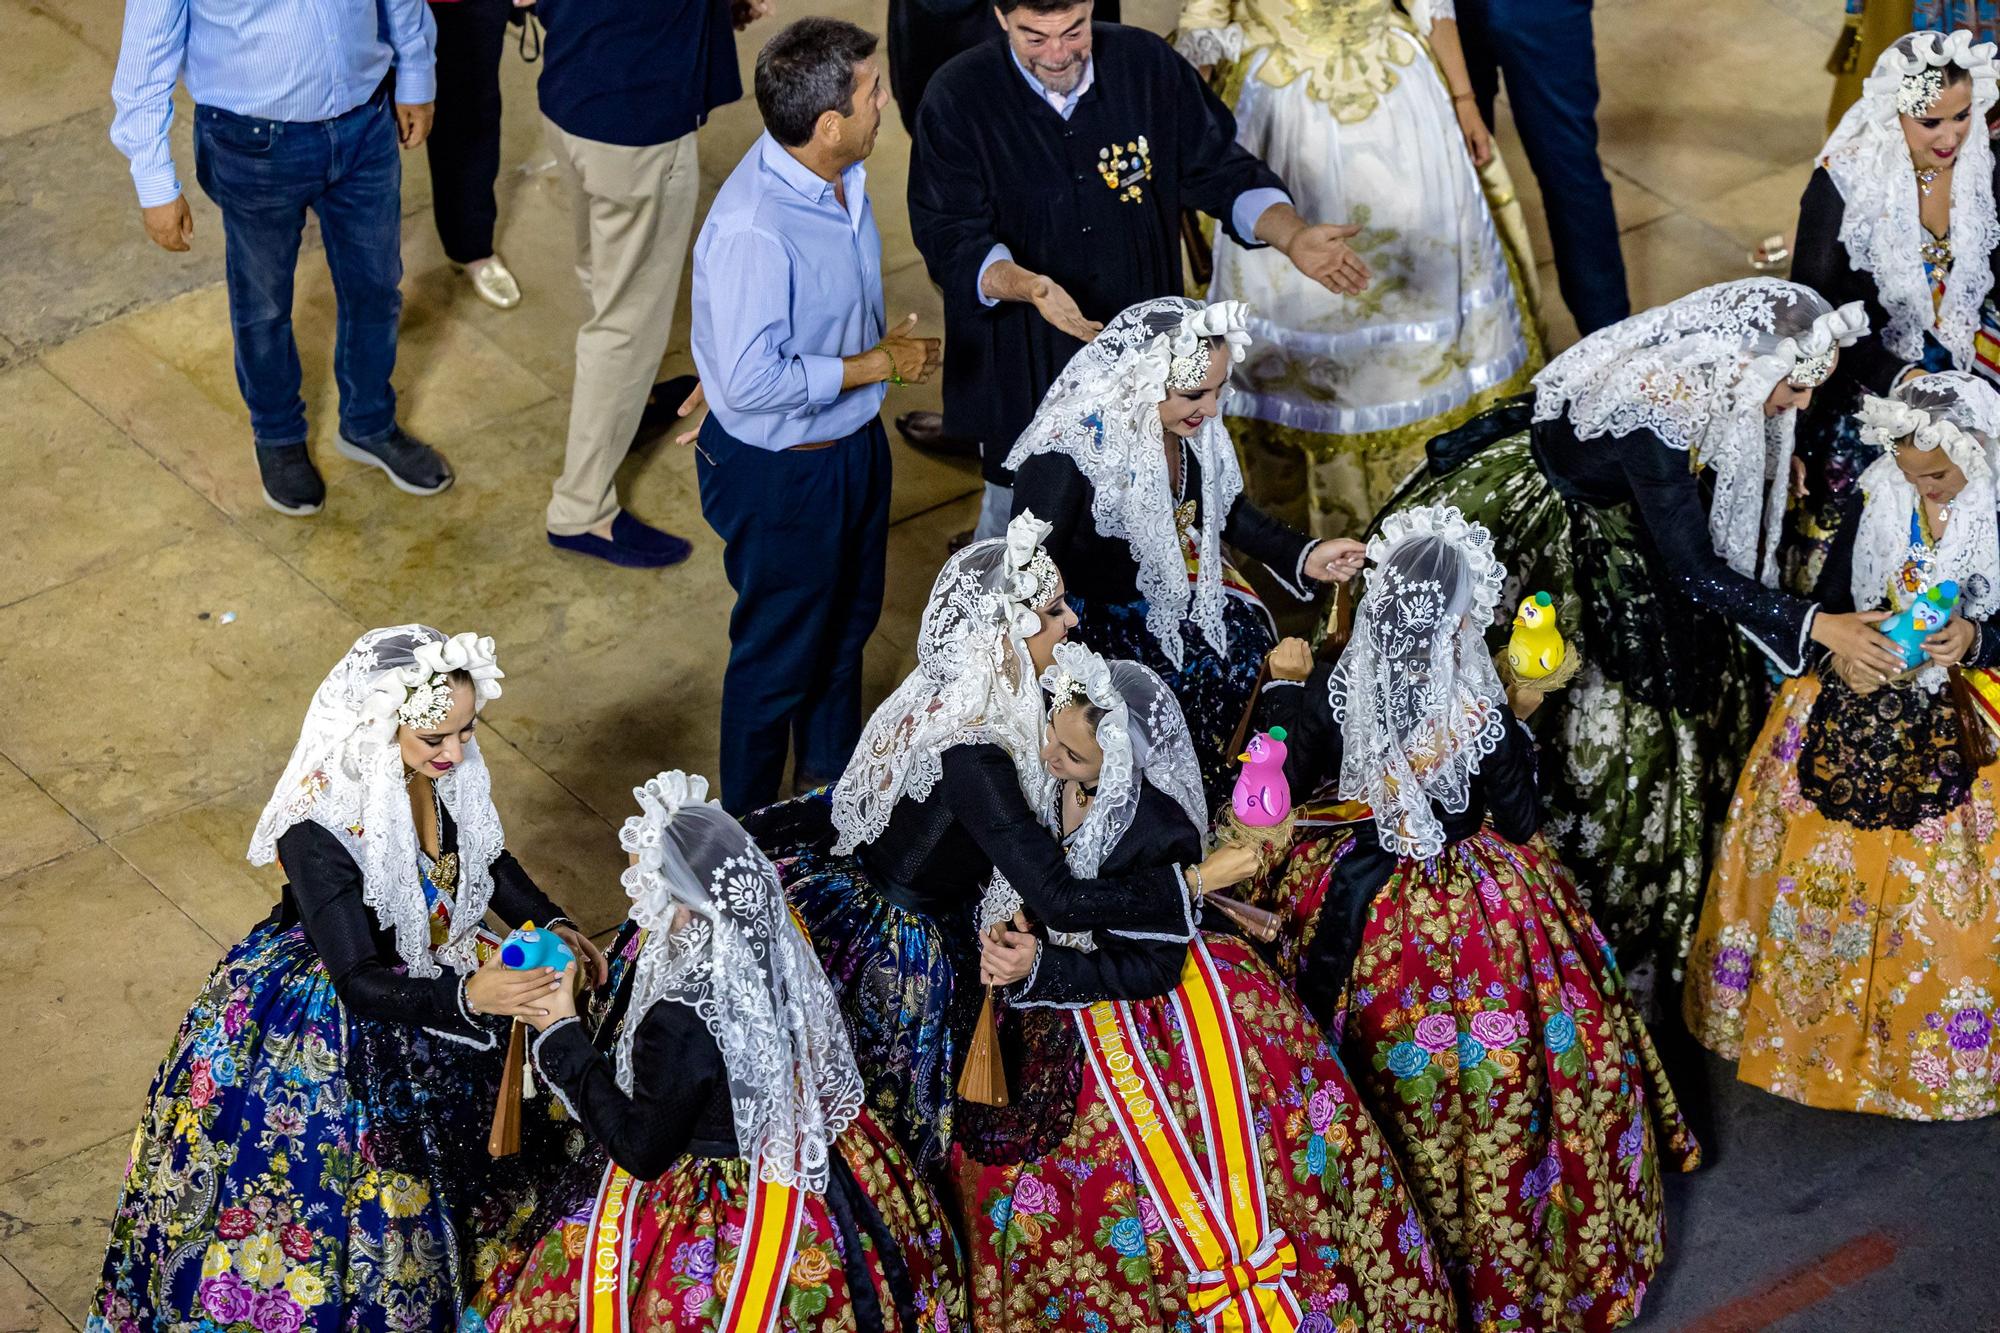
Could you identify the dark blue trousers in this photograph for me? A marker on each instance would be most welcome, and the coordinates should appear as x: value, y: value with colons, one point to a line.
x: 1543, y: 49
x: 805, y: 544
x: 264, y: 175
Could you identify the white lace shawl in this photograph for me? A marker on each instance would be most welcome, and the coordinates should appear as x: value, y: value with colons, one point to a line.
x: 974, y: 683
x: 1869, y: 161
x: 1144, y: 738
x: 1416, y: 694
x: 1960, y: 414
x: 1102, y: 414
x: 346, y: 775
x: 1696, y: 373
x: 739, y: 961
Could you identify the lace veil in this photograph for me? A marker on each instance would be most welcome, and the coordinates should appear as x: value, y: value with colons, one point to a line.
x: 973, y: 683
x: 1960, y: 414
x: 1416, y: 695
x: 1144, y: 738
x: 1869, y: 161
x: 346, y: 775
x: 741, y: 963
x: 1696, y: 373
x: 1102, y: 413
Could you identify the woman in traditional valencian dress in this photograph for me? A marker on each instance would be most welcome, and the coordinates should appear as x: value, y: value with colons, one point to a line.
x: 745, y: 1189
x: 313, y: 1150
x: 1152, y: 1064
x: 1129, y: 462
x: 1846, y: 951
x: 1368, y: 114
x: 1900, y: 217
x: 943, y: 787
x: 1484, y: 1015
x: 1644, y: 489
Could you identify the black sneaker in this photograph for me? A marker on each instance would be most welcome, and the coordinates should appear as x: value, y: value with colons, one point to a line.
x: 292, y: 485
x: 413, y: 466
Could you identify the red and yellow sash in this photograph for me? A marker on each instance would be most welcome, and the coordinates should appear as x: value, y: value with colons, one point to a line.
x: 1985, y: 692
x: 1233, y: 582
x: 1238, y: 1265
x: 763, y: 1263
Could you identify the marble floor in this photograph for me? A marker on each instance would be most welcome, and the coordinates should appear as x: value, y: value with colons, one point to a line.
x: 161, y: 630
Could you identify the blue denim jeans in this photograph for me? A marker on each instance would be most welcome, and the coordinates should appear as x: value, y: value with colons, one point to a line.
x: 264, y: 175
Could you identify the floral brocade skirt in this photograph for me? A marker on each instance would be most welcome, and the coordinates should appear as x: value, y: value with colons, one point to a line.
x: 893, y: 1240
x: 896, y: 974
x: 1070, y: 1241
x: 1515, y: 1081
x: 296, y: 1167
x: 1851, y: 968
x: 1213, y: 688
x: 1641, y: 750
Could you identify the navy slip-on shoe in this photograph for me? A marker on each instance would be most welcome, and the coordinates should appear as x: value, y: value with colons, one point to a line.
x: 642, y: 536
x: 619, y: 553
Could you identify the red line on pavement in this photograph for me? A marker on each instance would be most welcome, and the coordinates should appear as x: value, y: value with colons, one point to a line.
x: 1804, y: 1287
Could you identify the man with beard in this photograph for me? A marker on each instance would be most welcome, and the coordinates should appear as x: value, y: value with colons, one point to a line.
x: 1046, y: 191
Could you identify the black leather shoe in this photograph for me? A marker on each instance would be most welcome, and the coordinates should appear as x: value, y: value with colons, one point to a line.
x: 414, y: 467
x: 925, y: 431
x: 292, y: 485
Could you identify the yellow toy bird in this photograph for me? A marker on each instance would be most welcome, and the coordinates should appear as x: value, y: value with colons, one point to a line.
x: 1535, y: 650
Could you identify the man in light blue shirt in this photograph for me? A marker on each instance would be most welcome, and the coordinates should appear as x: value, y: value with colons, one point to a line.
x: 292, y: 111
x: 793, y: 348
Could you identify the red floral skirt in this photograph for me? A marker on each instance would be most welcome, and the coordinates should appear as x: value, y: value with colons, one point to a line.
x: 690, y: 1230
x: 1070, y: 1241
x: 1489, y: 1027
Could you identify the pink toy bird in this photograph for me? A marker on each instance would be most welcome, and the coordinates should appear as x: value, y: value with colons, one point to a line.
x: 1262, y: 797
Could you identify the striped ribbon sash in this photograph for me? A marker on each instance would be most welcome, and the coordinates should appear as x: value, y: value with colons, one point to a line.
x: 1985, y: 691
x: 1233, y: 581
x: 1214, y: 1205
x: 763, y: 1263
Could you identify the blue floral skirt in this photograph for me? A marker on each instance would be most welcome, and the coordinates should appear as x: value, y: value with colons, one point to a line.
x: 895, y: 971
x: 1213, y: 688
x: 297, y: 1167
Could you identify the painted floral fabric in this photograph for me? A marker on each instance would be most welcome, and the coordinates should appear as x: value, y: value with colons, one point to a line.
x: 690, y: 1231
x: 1847, y: 968
x: 297, y: 1168
x: 1639, y: 752
x: 1071, y: 1242
x: 1493, y: 1039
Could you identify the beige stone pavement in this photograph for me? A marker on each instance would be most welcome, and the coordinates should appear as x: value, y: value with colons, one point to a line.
x: 139, y: 732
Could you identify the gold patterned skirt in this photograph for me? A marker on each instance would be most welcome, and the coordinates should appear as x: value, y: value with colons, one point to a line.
x: 1847, y: 967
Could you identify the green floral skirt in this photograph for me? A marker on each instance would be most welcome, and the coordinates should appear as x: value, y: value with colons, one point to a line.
x: 1640, y: 752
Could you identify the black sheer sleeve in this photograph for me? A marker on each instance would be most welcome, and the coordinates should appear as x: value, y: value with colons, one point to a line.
x: 1279, y: 546
x: 986, y: 800
x: 1049, y: 486
x: 325, y: 884
x: 676, y: 1072
x: 1513, y: 796
x: 517, y: 898
x: 1669, y: 502
x: 1215, y: 169
x: 1986, y: 650
x: 1118, y: 969
x: 1835, y: 589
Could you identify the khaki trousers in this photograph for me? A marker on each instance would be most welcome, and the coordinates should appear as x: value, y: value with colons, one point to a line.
x: 632, y: 210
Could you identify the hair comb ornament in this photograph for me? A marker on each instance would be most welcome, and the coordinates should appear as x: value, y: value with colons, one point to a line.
x: 1918, y: 92
x: 427, y: 704
x: 1812, y: 355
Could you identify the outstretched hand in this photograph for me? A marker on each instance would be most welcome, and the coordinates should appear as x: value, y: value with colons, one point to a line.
x: 1321, y: 252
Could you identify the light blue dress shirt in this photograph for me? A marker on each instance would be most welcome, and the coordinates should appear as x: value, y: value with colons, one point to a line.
x: 1249, y: 205
x: 787, y: 283
x: 272, y: 59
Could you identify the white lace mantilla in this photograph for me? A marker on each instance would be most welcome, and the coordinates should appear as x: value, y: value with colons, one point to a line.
x: 1869, y: 161
x: 1416, y: 694
x: 1695, y: 373
x: 974, y: 683
x: 720, y: 940
x: 1102, y: 414
x: 346, y: 775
